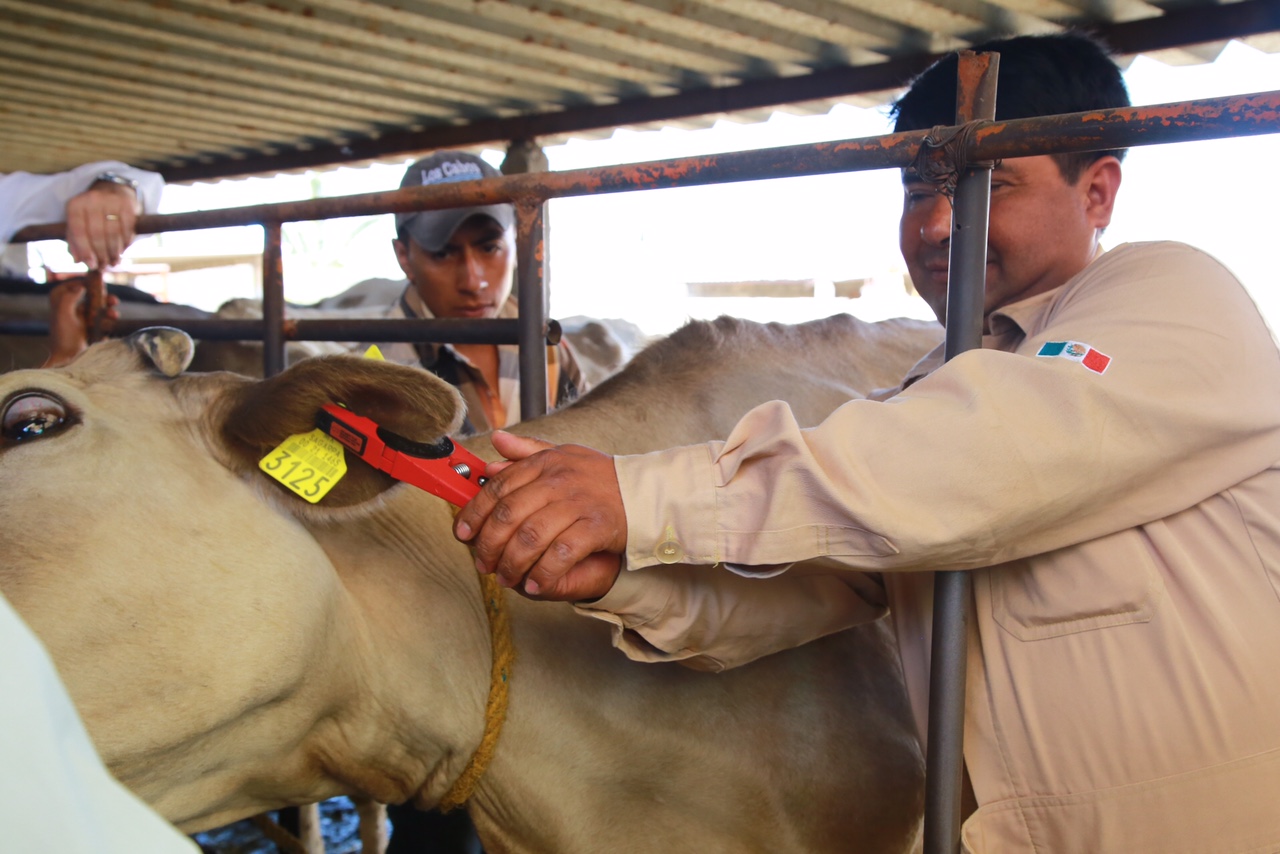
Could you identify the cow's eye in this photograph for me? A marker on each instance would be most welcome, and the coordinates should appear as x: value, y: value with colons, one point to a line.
x: 32, y: 415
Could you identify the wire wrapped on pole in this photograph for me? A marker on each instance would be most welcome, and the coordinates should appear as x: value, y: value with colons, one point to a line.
x: 944, y: 155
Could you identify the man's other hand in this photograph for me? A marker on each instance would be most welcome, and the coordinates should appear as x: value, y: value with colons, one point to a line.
x: 68, y: 326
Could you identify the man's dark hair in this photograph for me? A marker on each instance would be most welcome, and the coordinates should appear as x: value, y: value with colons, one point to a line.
x: 1039, y: 76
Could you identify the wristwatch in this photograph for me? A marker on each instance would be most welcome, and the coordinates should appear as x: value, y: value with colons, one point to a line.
x: 114, y: 178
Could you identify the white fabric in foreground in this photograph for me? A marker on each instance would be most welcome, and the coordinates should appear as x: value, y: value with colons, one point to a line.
x: 56, y: 797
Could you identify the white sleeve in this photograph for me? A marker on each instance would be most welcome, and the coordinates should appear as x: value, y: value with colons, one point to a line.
x: 55, y: 793
x: 30, y: 199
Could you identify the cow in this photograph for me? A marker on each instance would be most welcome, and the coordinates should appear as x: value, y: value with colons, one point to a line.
x: 233, y: 649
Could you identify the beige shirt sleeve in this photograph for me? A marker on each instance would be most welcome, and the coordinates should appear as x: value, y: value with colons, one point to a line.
x: 678, y: 612
x: 996, y: 455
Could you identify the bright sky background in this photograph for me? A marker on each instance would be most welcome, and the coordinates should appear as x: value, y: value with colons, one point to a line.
x: 630, y: 255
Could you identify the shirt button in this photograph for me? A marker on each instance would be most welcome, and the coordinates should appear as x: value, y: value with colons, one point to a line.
x: 669, y: 552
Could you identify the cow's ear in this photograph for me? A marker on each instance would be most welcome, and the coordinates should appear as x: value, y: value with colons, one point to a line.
x: 255, y: 417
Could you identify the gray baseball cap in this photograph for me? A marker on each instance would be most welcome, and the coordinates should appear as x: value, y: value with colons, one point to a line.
x: 432, y: 229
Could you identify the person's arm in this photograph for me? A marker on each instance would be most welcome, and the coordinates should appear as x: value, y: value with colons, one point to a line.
x: 709, y: 619
x: 993, y: 457
x: 702, y: 617
x: 86, y: 198
x: 68, y: 324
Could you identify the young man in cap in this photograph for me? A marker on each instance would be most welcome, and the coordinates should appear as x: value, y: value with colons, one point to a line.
x: 1107, y: 466
x: 459, y: 264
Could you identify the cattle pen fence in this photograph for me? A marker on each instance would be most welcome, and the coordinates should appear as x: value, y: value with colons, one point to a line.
x: 962, y: 154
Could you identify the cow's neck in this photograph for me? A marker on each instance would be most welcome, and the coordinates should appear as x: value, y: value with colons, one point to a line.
x: 422, y: 614
x: 426, y: 657
x: 421, y: 610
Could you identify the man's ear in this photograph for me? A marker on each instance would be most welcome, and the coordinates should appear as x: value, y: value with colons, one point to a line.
x: 401, y: 248
x: 1100, y: 182
x: 254, y: 417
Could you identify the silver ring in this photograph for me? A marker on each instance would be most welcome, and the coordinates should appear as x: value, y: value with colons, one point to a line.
x: 112, y: 217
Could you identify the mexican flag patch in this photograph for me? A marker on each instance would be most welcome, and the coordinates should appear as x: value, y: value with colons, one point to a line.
x: 1076, y: 352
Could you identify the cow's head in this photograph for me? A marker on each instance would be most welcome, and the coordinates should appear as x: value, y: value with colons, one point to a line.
x: 175, y: 584
x: 241, y: 420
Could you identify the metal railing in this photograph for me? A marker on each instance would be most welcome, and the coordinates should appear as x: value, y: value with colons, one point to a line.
x: 1211, y: 118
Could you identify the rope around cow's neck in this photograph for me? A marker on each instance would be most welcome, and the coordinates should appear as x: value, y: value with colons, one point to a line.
x: 495, y: 711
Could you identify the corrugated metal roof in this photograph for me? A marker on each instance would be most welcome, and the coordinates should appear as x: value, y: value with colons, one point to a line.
x: 210, y: 88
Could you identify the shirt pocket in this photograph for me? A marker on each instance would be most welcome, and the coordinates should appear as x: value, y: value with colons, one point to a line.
x: 1110, y: 581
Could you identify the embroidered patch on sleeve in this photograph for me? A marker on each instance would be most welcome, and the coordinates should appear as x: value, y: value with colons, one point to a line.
x: 1076, y: 352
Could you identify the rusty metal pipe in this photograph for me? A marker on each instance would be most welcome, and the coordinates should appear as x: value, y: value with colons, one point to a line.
x: 95, y: 306
x: 273, y: 354
x: 370, y: 329
x: 531, y: 292
x: 365, y: 329
x: 1211, y: 118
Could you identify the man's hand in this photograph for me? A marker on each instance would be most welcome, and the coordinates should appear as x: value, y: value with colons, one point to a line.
x: 551, y: 523
x: 68, y: 326
x: 100, y: 223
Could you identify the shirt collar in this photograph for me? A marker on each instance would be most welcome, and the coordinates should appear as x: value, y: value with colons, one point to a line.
x: 412, y: 305
x: 1019, y: 318
x: 1009, y: 324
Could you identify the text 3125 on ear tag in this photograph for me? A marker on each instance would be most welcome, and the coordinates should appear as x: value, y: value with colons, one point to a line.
x: 309, y: 464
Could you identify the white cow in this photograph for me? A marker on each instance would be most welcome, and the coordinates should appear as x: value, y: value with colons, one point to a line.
x: 233, y: 649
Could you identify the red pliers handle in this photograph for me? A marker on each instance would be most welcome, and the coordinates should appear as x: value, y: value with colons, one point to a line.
x: 441, y: 468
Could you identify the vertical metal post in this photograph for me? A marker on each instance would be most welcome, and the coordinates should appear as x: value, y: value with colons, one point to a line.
x: 290, y: 818
x: 975, y: 99
x: 272, y: 300
x: 95, y: 305
x: 532, y: 294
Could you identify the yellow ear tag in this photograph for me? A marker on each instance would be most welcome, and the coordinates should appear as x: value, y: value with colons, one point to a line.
x: 310, y: 464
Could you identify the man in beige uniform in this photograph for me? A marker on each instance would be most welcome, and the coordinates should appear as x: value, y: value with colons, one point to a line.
x: 1108, y: 466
